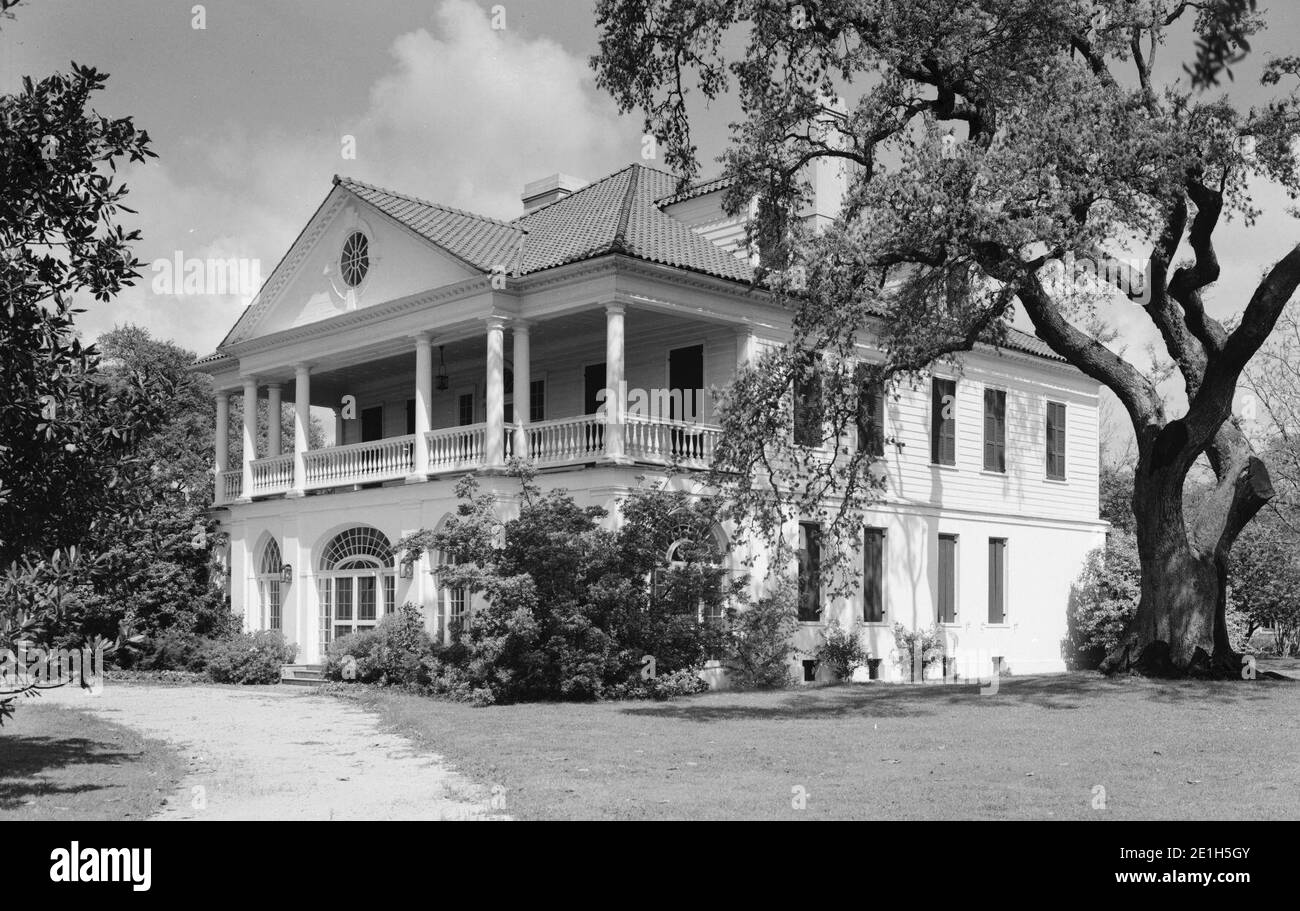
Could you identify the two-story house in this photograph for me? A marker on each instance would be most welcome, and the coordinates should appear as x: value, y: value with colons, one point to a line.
x: 445, y: 342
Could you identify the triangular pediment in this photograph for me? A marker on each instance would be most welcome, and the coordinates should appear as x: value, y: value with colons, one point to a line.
x: 311, y: 283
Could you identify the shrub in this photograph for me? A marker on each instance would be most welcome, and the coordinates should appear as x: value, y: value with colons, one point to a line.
x: 666, y: 686
x: 356, y: 646
x: 174, y: 650
x: 759, y: 646
x: 1102, y: 602
x: 568, y: 609
x: 394, y: 652
x: 1263, y: 578
x: 918, y: 649
x: 249, y: 657
x: 449, y: 678
x: 678, y: 683
x: 841, y: 649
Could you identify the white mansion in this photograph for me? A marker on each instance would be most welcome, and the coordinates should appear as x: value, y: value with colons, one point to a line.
x: 446, y: 342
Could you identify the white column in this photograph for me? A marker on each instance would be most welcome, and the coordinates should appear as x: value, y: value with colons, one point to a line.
x: 222, y: 444
x: 250, y: 435
x: 614, y: 370
x: 301, y: 427
x: 494, y: 437
x: 338, y: 425
x: 274, y: 429
x: 523, y: 380
x: 745, y: 347
x: 423, y: 405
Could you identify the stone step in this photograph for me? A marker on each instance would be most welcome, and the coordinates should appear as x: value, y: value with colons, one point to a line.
x: 302, y: 674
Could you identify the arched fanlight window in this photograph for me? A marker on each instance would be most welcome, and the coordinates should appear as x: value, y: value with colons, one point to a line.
x: 698, y: 542
x: 357, y: 581
x: 696, y: 539
x: 360, y: 545
x: 354, y: 262
x: 269, y: 583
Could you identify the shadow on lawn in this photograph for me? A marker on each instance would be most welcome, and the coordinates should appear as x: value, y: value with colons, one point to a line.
x: 877, y: 700
x: 25, y: 759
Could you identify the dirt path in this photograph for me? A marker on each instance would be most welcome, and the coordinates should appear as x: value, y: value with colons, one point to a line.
x: 285, y: 753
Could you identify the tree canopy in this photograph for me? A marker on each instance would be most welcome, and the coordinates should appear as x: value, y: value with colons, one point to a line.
x: 986, y: 143
x: 65, y: 436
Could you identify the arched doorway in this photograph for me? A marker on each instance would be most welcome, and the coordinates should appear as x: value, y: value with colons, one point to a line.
x: 701, y: 543
x: 357, y: 582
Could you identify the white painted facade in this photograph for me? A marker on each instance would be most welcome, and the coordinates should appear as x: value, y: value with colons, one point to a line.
x: 421, y: 313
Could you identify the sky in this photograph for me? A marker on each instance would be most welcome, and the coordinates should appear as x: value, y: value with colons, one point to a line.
x: 251, y: 115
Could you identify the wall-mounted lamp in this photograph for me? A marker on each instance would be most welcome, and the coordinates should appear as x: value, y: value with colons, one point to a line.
x: 286, y: 573
x: 406, y: 570
x: 442, y: 371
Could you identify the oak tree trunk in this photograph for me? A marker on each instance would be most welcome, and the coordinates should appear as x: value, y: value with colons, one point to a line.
x: 1180, y: 628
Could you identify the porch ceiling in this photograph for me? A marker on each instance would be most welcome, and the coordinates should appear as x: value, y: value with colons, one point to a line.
x: 329, y: 382
x: 592, y: 322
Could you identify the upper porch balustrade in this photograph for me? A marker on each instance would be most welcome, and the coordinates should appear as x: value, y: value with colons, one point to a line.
x: 553, y: 443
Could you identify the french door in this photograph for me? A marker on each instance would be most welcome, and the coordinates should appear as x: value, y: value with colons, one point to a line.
x: 353, y: 600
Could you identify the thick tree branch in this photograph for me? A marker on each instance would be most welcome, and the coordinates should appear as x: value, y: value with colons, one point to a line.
x: 1135, y: 391
x: 1262, y: 312
x: 1094, y: 60
x: 1212, y: 404
x: 1188, y: 354
x: 1187, y: 282
x: 1243, y: 489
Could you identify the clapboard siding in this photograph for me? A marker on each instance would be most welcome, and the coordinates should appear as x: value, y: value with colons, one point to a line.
x: 560, y: 359
x: 1024, y: 488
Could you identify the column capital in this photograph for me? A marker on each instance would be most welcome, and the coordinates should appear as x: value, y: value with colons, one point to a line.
x: 495, y: 321
x: 277, y: 385
x: 617, y: 307
x: 423, y: 337
x: 521, y: 325
x: 303, y: 367
x: 249, y: 379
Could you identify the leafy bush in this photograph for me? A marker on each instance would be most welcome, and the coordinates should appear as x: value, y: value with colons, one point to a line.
x: 1102, y: 602
x: 248, y: 657
x: 667, y: 686
x: 759, y: 639
x: 919, y: 648
x: 1263, y: 579
x: 355, y: 646
x: 173, y: 650
x: 155, y: 676
x: 568, y: 609
x: 841, y: 649
x: 394, y: 652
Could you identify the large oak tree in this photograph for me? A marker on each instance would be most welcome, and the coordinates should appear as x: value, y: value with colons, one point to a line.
x: 988, y: 140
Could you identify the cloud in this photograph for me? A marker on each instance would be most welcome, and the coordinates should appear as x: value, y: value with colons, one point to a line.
x: 471, y: 115
x: 465, y: 116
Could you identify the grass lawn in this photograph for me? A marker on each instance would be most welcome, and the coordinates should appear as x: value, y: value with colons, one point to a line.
x: 1039, y: 749
x: 62, y: 763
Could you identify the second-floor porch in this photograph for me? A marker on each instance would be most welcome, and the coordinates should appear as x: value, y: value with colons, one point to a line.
x: 463, y: 405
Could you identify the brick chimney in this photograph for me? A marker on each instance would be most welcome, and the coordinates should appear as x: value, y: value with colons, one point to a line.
x: 548, y: 189
x: 828, y: 177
